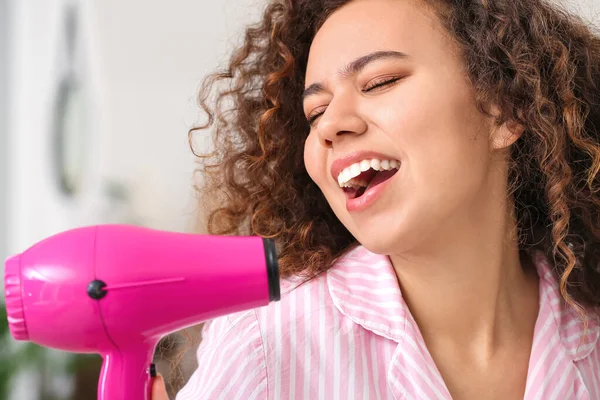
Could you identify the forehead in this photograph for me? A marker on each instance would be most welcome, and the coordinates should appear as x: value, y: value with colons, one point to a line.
x: 364, y: 26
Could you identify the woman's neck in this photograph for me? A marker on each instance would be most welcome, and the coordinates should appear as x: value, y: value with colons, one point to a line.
x: 472, y: 292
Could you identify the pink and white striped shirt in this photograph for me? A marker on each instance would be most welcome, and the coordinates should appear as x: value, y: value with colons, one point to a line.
x: 349, y: 335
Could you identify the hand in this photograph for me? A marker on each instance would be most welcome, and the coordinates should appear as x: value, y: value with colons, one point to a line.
x: 159, y: 390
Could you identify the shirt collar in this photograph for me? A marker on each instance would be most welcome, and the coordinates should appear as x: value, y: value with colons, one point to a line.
x: 364, y: 287
x: 578, y: 341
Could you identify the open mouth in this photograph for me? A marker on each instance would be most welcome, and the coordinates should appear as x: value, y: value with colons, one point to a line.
x: 372, y: 178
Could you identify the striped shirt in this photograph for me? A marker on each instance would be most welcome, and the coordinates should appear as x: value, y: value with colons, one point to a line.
x: 349, y: 335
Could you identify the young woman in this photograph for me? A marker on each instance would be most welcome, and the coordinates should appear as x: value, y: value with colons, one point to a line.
x: 429, y: 170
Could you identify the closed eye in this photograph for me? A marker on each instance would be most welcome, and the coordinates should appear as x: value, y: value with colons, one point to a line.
x: 382, y: 83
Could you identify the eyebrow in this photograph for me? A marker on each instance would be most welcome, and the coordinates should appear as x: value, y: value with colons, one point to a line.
x: 354, y: 68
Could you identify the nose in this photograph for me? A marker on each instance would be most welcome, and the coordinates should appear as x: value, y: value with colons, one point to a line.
x: 339, y: 121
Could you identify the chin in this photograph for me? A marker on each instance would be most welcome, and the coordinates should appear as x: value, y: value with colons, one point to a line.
x: 381, y: 246
x: 385, y: 235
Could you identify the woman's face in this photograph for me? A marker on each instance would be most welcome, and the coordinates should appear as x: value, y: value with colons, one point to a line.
x: 408, y: 101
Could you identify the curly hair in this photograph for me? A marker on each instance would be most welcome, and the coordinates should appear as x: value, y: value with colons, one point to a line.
x: 536, y: 63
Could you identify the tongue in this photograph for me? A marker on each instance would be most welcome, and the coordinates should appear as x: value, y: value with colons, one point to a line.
x: 380, y: 177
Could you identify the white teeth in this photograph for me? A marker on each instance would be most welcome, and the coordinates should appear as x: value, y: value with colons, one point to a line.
x: 365, y: 165
x: 346, y: 177
x: 355, y: 170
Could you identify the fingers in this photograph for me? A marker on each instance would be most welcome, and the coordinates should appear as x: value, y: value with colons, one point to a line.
x: 159, y: 390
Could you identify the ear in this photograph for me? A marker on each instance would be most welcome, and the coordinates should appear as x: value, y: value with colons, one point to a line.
x: 505, y: 135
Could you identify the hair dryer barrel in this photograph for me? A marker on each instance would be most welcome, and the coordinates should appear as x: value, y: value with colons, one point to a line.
x: 91, y: 289
x: 161, y: 282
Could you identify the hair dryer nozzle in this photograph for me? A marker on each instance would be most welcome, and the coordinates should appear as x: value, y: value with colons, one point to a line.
x: 14, y: 302
x: 272, y: 269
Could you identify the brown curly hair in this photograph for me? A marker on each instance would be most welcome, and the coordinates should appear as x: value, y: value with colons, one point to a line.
x: 536, y: 63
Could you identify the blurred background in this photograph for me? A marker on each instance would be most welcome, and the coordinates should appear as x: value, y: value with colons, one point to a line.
x: 96, y: 98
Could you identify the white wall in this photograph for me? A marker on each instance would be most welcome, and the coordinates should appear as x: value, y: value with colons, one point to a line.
x: 3, y: 132
x: 144, y: 62
x: 589, y: 9
x: 151, y: 74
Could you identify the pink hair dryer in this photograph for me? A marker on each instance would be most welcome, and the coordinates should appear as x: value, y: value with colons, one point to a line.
x: 116, y: 290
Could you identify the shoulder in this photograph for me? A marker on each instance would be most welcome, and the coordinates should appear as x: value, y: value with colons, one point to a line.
x: 298, y: 296
x: 236, y: 327
x: 233, y: 355
x: 230, y: 360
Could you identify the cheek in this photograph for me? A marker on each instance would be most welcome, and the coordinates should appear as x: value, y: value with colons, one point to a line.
x: 445, y: 156
x: 439, y: 135
x: 448, y: 168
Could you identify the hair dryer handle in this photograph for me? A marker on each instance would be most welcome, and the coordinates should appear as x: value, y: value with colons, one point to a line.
x: 126, y: 376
